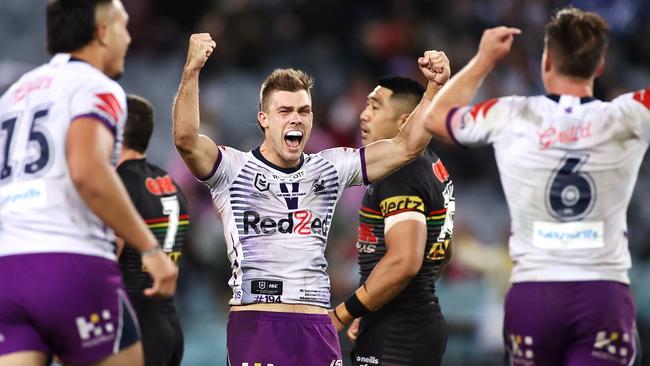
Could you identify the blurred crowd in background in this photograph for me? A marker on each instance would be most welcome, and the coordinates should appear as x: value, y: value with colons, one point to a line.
x: 346, y: 46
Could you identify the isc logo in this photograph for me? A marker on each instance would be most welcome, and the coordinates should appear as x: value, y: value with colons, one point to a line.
x: 256, y: 364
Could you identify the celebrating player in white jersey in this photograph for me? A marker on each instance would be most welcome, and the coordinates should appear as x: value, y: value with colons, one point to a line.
x: 277, y: 203
x: 61, y: 291
x: 568, y: 164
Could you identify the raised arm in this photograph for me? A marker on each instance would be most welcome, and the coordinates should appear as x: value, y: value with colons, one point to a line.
x: 199, y: 152
x: 460, y: 90
x: 385, y: 156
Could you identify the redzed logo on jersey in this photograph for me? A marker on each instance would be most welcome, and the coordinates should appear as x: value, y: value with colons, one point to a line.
x: 440, y: 171
x: 110, y: 106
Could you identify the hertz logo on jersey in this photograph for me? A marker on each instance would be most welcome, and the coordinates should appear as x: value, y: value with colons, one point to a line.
x: 398, y: 204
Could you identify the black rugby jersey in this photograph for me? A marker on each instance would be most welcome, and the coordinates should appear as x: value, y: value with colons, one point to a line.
x: 163, y: 207
x: 421, y: 186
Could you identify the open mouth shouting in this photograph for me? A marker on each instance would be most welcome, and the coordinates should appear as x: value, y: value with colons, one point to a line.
x: 293, y: 139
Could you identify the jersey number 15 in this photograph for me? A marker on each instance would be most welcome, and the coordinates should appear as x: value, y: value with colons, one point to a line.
x: 37, y: 138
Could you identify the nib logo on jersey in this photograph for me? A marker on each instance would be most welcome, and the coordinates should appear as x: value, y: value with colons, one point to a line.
x: 302, y: 222
x: 95, y: 329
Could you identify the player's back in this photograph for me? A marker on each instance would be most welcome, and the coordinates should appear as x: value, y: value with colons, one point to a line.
x: 568, y: 166
x: 421, y: 187
x: 40, y: 208
x: 163, y: 207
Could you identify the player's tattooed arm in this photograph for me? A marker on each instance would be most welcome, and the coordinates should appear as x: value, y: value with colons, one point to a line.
x: 198, y: 151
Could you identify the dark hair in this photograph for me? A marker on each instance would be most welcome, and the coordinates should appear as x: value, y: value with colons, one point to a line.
x: 139, y: 123
x: 404, y: 89
x: 577, y: 41
x: 71, y: 24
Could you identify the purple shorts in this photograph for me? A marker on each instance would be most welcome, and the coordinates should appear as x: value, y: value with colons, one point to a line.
x: 282, y: 339
x: 582, y: 323
x: 69, y: 305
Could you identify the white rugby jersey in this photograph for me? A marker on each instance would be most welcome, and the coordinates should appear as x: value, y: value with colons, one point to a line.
x: 568, y: 166
x: 40, y: 209
x: 276, y: 221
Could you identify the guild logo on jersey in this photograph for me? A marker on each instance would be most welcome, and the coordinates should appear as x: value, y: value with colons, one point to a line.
x: 256, y: 364
x: 261, y: 183
x: 336, y: 363
x: 397, y: 204
x: 95, y: 329
x: 300, y: 222
x: 612, y: 346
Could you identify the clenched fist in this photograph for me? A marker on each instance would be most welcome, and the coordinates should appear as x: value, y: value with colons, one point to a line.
x: 496, y: 43
x: 435, y: 67
x: 201, y: 47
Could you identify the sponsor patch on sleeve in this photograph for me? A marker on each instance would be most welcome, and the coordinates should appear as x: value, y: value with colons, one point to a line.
x: 398, y: 204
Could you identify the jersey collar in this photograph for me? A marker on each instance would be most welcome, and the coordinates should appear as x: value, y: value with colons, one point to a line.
x: 258, y: 154
x: 583, y: 100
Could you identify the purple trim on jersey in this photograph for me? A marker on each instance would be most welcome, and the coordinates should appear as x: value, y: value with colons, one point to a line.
x: 214, y: 168
x: 364, y: 172
x: 450, y: 115
x: 96, y: 116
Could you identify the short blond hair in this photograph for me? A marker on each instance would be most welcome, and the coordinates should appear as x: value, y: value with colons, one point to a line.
x: 290, y: 80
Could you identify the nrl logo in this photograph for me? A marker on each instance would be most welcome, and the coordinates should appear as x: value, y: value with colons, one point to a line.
x: 261, y: 183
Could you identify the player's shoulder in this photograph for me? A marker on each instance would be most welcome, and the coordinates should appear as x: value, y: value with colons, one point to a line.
x: 499, y: 106
x: 333, y: 154
x: 131, y: 168
x: 415, y: 173
x: 638, y: 98
x: 25, y: 83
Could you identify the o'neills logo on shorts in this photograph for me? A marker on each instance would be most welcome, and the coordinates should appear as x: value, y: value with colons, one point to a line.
x: 95, y: 329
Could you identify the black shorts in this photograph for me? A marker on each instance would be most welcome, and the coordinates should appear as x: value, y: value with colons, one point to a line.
x: 394, y: 338
x: 162, y: 336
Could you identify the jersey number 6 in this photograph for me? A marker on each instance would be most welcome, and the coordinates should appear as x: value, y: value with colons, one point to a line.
x: 570, y: 193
